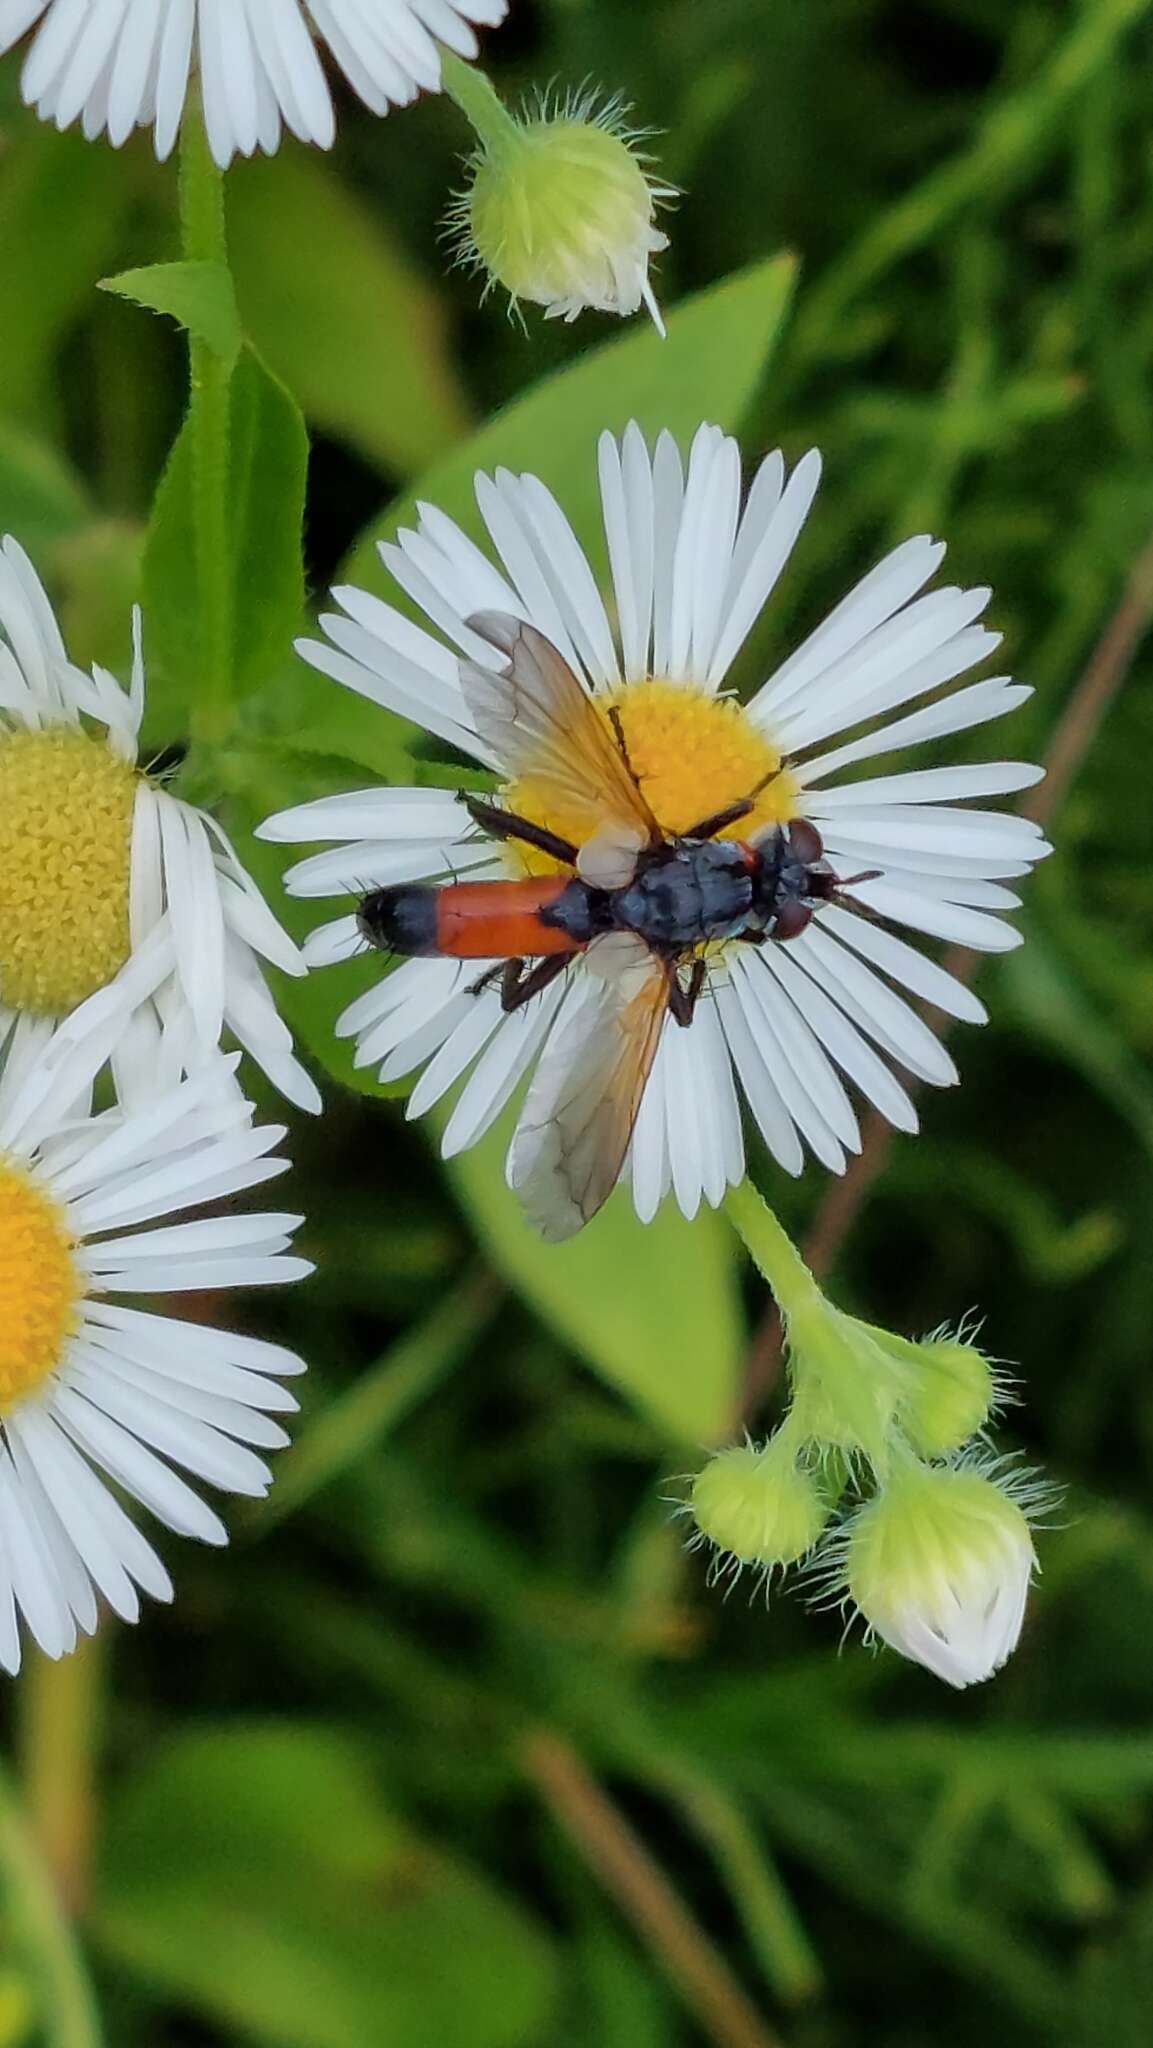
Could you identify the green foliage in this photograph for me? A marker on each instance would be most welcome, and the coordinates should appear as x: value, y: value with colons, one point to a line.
x: 257, y: 1872
x: 652, y: 1308
x: 267, y: 466
x: 474, y: 1540
x: 200, y: 296
x: 357, y: 332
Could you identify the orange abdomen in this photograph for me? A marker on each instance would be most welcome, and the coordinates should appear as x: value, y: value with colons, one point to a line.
x: 500, y: 920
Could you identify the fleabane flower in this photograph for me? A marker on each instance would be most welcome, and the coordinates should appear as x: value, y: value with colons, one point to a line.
x: 693, y: 560
x: 112, y: 884
x: 101, y: 1398
x: 559, y: 211
x: 116, y: 65
x: 939, y: 1563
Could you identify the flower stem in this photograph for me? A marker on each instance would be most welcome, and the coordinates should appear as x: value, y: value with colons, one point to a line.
x: 42, y: 1929
x: 772, y: 1251
x: 478, y: 100
x: 203, y: 240
x: 60, y: 1716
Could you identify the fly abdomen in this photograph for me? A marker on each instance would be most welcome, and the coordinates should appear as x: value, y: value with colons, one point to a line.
x: 401, y: 920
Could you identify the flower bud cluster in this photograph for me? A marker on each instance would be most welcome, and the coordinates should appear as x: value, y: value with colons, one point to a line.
x: 880, y: 1483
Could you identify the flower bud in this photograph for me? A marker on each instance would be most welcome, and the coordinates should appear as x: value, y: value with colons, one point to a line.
x: 951, y: 1397
x: 760, y: 1507
x: 560, y: 212
x: 939, y: 1564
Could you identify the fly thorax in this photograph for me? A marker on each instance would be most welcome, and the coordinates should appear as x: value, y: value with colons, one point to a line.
x: 691, y: 891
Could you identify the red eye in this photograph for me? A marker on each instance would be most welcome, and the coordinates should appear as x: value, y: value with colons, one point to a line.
x: 805, y: 842
x: 791, y: 919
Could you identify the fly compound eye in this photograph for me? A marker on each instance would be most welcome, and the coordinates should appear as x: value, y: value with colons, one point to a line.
x: 791, y: 919
x: 805, y: 842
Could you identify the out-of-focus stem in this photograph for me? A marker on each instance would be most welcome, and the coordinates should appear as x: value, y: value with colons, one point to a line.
x: 59, y: 1732
x: 41, y: 1928
x: 204, y: 241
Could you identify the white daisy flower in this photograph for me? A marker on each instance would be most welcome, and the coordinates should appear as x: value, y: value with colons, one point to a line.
x: 117, y: 65
x: 100, y: 1398
x: 691, y: 568
x: 111, y: 883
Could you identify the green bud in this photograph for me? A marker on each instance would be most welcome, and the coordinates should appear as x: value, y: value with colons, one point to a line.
x: 560, y: 212
x: 761, y: 1507
x: 939, y: 1564
x: 952, y: 1397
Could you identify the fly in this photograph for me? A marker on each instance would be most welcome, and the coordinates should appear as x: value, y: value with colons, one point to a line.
x: 640, y: 905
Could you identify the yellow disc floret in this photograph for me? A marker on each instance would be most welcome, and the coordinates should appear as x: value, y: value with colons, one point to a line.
x: 65, y: 846
x: 692, y: 755
x: 40, y: 1286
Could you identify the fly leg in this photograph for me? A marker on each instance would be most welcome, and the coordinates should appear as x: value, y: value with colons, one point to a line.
x: 732, y: 813
x: 683, y: 1001
x: 507, y: 825
x: 520, y: 984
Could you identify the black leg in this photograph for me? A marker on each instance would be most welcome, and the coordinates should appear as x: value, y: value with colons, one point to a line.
x: 519, y: 986
x: 617, y: 724
x: 506, y: 825
x: 709, y: 827
x: 683, y: 1001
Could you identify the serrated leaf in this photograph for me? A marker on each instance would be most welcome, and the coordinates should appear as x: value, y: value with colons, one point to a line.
x: 268, y: 470
x: 200, y: 296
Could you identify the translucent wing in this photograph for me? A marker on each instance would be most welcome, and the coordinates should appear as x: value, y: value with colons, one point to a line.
x: 540, y: 721
x: 575, y: 1129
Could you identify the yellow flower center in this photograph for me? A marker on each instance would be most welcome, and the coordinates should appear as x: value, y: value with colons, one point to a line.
x: 40, y: 1286
x: 65, y: 845
x: 692, y: 756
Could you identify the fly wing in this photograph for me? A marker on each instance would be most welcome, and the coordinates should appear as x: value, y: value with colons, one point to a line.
x: 577, y: 1123
x: 540, y: 722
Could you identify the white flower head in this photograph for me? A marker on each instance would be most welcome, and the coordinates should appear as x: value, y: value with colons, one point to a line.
x: 559, y: 211
x: 113, y: 884
x: 101, y: 1398
x: 939, y: 1563
x: 117, y: 65
x: 693, y: 560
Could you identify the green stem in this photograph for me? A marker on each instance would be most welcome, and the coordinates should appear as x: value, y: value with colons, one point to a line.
x: 772, y: 1251
x: 203, y: 240
x: 499, y: 135
x: 69, y: 2011
x: 59, y: 1731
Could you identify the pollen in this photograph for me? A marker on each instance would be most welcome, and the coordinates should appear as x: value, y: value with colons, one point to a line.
x: 691, y: 755
x: 40, y: 1286
x: 66, y: 805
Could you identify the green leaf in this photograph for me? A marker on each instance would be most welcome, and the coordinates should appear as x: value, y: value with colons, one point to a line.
x: 652, y: 1307
x: 1043, y: 990
x: 268, y: 468
x: 61, y: 207
x: 357, y: 334
x: 200, y: 296
x: 718, y: 350
x: 42, y: 500
x: 254, y: 1872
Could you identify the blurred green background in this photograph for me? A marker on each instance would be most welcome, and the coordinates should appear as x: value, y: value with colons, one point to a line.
x: 454, y: 1748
